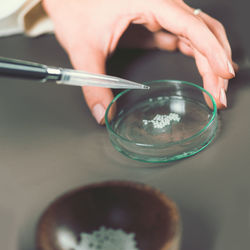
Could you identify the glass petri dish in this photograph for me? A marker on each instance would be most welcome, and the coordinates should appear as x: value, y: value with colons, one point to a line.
x: 168, y: 122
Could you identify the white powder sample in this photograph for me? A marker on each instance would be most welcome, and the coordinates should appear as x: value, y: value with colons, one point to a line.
x: 107, y: 239
x: 161, y: 121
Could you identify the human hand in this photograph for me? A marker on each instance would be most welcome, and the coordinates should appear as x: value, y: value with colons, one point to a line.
x: 89, y: 31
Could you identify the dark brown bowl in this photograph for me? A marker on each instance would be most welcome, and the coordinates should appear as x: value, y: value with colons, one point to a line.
x: 133, y: 207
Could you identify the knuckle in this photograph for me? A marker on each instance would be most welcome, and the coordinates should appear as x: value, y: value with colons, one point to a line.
x: 218, y: 25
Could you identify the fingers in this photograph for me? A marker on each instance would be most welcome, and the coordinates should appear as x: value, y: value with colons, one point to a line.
x: 216, y: 87
x: 97, y: 98
x: 185, y: 47
x: 165, y: 41
x: 204, y: 38
x: 199, y: 35
x: 218, y: 30
x: 214, y: 84
x: 215, y: 26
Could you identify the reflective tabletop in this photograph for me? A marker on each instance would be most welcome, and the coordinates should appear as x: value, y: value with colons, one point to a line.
x: 51, y: 144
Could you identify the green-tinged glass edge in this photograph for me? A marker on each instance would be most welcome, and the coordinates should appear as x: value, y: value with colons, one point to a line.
x: 179, y: 156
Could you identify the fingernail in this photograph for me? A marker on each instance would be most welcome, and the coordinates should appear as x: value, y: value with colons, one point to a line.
x: 98, y: 112
x: 230, y: 68
x: 236, y: 67
x: 223, y: 98
x: 225, y: 84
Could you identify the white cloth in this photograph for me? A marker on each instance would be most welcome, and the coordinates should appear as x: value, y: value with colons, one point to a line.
x: 23, y: 16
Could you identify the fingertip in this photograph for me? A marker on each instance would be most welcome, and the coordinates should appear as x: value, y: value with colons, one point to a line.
x: 216, y: 86
x: 230, y: 68
x: 236, y: 67
x: 223, y: 98
x: 225, y: 81
x: 221, y: 69
x: 98, y: 111
x: 221, y: 101
x: 98, y: 100
x: 220, y: 105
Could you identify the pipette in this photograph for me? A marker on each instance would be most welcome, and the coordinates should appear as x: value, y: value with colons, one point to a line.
x: 30, y: 70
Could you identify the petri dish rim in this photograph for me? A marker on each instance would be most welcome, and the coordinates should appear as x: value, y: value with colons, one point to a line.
x: 214, y: 115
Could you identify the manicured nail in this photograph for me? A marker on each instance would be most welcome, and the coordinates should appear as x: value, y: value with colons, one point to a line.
x: 225, y: 84
x: 98, y: 112
x: 236, y: 67
x: 230, y: 68
x: 223, y: 98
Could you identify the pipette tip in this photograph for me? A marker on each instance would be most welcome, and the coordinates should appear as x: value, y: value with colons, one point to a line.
x: 139, y: 86
x: 135, y: 85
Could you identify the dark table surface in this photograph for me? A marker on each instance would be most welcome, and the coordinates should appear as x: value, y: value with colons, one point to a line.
x: 51, y: 144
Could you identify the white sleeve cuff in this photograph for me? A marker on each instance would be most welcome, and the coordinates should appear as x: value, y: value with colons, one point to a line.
x: 34, y: 19
x: 29, y: 18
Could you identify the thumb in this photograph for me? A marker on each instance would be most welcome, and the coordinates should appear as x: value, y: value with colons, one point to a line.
x: 97, y: 98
